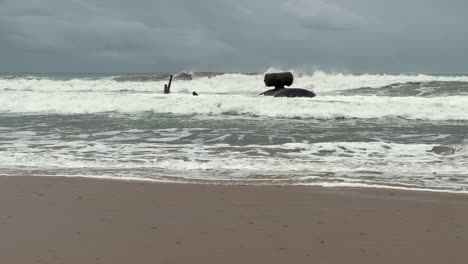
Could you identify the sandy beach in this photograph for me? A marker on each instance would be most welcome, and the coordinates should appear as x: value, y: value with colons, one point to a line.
x: 77, y: 220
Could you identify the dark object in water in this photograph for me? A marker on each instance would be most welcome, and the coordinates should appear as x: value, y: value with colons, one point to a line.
x: 194, y: 94
x: 167, y: 87
x: 278, y: 80
x: 289, y: 92
x: 446, y: 150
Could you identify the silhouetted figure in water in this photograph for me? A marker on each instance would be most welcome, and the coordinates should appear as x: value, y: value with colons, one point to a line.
x: 167, y: 87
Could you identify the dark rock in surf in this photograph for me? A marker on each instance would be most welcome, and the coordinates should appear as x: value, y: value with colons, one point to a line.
x: 446, y: 150
x: 289, y: 92
x: 279, y: 80
x: 271, y: 92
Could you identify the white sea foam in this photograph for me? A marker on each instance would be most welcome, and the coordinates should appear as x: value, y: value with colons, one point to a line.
x: 399, y: 166
x: 317, y: 157
x: 323, y: 107
x: 323, y: 163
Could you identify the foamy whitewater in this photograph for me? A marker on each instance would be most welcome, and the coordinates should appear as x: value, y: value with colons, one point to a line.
x: 395, y: 131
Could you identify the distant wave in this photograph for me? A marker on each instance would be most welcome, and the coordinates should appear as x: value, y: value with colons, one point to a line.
x: 420, y: 89
x: 152, y: 77
x: 208, y: 82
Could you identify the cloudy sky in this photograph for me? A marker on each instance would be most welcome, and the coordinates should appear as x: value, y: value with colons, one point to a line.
x: 407, y: 36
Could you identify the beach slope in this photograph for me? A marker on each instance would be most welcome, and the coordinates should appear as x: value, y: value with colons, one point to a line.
x: 77, y: 220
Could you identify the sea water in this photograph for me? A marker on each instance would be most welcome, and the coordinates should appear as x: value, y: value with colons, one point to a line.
x: 375, y: 130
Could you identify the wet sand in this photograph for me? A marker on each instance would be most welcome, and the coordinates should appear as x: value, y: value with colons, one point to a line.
x: 74, y: 220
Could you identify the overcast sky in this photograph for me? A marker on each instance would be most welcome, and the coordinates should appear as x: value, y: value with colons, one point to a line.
x: 408, y: 36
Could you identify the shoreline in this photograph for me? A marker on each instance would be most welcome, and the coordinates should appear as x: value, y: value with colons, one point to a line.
x: 84, y: 220
x: 343, y: 186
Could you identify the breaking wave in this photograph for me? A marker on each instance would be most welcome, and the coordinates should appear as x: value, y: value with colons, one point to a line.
x: 322, y: 107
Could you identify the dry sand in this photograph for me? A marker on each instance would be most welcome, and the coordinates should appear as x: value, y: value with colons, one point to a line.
x: 73, y: 220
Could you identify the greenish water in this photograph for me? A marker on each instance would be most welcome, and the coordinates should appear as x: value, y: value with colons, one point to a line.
x: 376, y: 130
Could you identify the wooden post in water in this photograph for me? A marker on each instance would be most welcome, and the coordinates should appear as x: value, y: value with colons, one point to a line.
x: 167, y: 87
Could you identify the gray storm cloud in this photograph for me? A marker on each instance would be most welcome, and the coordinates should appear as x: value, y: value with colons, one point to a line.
x: 319, y: 15
x: 164, y: 35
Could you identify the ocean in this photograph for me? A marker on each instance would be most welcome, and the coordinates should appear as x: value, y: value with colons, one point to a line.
x: 362, y: 130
